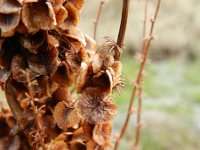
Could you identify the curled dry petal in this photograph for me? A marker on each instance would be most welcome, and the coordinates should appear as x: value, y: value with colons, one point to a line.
x: 74, y: 33
x: 78, y: 4
x: 72, y: 19
x: 62, y: 75
x: 91, y: 145
x: 96, y: 107
x: 63, y: 94
x: 44, y: 62
x: 61, y: 15
x: 117, y: 67
x: 91, y: 44
x: 88, y: 129
x: 37, y: 16
x: 10, y: 6
x: 32, y: 42
x: 83, y: 77
x: 64, y: 116
x: 97, y: 63
x: 18, y: 65
x: 8, y: 23
x: 102, y: 134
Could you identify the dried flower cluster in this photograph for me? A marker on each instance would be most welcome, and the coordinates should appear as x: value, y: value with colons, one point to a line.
x: 44, y: 58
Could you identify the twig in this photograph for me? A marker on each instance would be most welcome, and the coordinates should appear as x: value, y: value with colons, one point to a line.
x: 36, y: 110
x: 139, y: 76
x: 122, y: 29
x: 102, y: 2
x: 140, y: 89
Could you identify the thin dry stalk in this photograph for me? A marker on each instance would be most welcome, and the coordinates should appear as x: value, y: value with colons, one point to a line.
x: 37, y: 112
x: 139, y: 76
x: 122, y: 29
x: 102, y: 2
x: 140, y: 88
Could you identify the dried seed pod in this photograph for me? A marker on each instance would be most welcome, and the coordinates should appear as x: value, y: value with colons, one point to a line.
x: 32, y: 42
x: 38, y: 15
x: 8, y: 24
x: 72, y: 19
x: 9, y: 17
x: 102, y: 134
x: 91, y: 145
x: 97, y: 63
x: 83, y: 77
x: 96, y: 107
x: 62, y: 75
x: 44, y: 63
x: 78, y: 4
x: 63, y: 94
x: 64, y: 116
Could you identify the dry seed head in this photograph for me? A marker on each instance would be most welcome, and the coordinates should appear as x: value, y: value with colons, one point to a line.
x: 96, y: 107
x: 64, y: 116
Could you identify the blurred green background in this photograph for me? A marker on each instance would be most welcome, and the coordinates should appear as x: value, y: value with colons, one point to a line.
x: 171, y: 104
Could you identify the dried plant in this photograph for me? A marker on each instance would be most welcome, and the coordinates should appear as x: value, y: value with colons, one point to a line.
x: 43, y: 55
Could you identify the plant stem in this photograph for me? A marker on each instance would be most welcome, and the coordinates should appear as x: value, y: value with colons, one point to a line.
x: 97, y: 18
x: 140, y: 89
x: 139, y: 76
x: 122, y: 29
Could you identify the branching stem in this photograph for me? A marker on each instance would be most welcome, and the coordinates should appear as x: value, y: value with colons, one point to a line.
x: 122, y: 29
x: 97, y: 18
x: 139, y: 76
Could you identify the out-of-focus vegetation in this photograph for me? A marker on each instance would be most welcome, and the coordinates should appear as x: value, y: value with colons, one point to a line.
x: 171, y: 105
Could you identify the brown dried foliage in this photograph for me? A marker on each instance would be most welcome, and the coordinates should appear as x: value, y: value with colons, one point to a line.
x: 42, y: 56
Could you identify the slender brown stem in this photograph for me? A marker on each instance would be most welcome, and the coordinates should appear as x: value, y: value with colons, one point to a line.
x: 97, y: 18
x: 139, y: 76
x: 122, y: 29
x: 140, y: 89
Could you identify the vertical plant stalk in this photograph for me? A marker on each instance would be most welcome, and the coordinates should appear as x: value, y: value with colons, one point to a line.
x: 139, y: 76
x: 140, y: 88
x: 102, y: 2
x: 122, y: 29
x: 36, y: 111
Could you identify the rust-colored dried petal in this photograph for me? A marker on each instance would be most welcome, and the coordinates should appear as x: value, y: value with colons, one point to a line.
x: 91, y: 44
x: 10, y: 6
x: 77, y: 3
x: 63, y: 94
x: 74, y: 33
x: 62, y: 75
x: 64, y: 116
x: 32, y: 42
x: 44, y: 62
x: 97, y: 63
x: 88, y: 129
x: 96, y: 107
x: 83, y: 77
x: 73, y: 17
x: 102, y: 134
x: 61, y: 15
x: 18, y: 67
x: 8, y: 23
x: 37, y: 16
x: 91, y: 145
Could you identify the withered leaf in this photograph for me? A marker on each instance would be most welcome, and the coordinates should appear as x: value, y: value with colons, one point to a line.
x: 64, y: 116
x: 38, y: 15
x: 96, y: 107
x: 102, y: 134
x: 8, y: 23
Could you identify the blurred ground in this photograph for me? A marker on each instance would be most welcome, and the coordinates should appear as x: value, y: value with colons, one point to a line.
x: 171, y: 105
